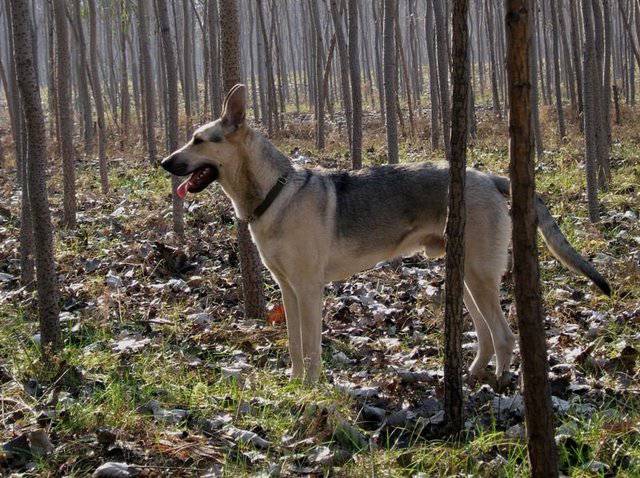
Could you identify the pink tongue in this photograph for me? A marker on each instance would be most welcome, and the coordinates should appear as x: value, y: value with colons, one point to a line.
x: 182, y: 189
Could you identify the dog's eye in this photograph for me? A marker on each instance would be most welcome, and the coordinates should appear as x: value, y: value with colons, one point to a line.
x: 197, y: 140
x: 216, y: 139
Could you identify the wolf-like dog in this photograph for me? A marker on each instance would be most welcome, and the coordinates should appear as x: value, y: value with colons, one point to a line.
x: 313, y: 226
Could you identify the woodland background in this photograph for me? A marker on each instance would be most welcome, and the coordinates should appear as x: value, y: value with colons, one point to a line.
x: 171, y: 356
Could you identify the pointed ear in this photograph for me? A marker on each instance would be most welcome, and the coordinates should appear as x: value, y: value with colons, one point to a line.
x: 235, y: 105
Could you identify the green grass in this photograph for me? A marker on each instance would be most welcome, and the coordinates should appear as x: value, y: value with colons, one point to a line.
x: 115, y: 387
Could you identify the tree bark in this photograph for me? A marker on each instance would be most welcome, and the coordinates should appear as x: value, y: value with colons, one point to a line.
x: 556, y: 72
x: 390, y: 75
x: 456, y: 219
x: 590, y: 88
x: 533, y: 347
x: 96, y: 87
x: 250, y: 265
x: 344, y: 67
x: 443, y: 73
x: 172, y: 107
x: 356, y: 93
x: 148, y: 88
x: 47, y: 283
x: 65, y: 113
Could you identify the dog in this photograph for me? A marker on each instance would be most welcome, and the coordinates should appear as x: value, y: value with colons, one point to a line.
x: 312, y: 227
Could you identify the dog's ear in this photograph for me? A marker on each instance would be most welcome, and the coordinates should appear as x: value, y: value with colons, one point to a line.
x: 235, y: 105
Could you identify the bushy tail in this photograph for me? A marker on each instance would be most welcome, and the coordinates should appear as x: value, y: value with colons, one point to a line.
x: 557, y: 242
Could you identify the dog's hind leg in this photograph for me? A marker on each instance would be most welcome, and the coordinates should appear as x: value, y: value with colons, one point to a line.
x: 309, y: 297
x: 485, y: 292
x: 485, y: 343
x: 294, y: 331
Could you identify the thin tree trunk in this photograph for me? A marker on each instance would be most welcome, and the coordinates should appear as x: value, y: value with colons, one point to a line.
x: 533, y: 347
x: 433, y: 80
x: 250, y: 265
x: 356, y: 93
x: 390, y: 73
x: 172, y: 107
x: 344, y: 69
x: 65, y: 113
x: 148, y: 90
x: 456, y: 219
x: 47, y: 283
x: 556, y: 72
x: 96, y: 87
x: 590, y: 86
x: 443, y: 73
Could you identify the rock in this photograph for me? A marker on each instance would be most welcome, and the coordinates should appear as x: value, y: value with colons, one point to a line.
x: 211, y: 425
x: 201, y: 318
x: 166, y: 416
x: 373, y: 414
x: 437, y: 419
x: 114, y: 469
x: 341, y: 358
x: 562, y: 368
x: 630, y: 215
x: 18, y: 446
x: 247, y: 437
x: 349, y: 436
x: 4, y: 277
x: 597, y: 467
x: 428, y: 407
x: 105, y: 436
x: 130, y: 344
x: 559, y: 405
x: 505, y: 406
x: 481, y: 396
x: 113, y: 280
x: 233, y: 373
x: 356, y: 391
x: 407, y: 376
x: 516, y: 432
x: 324, y: 456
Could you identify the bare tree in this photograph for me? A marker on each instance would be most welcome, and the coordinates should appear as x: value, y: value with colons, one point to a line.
x: 443, y: 72
x: 390, y: 74
x: 456, y: 220
x: 96, y: 87
x: 65, y: 113
x: 149, y: 90
x: 591, y: 122
x: 356, y: 93
x: 533, y: 347
x: 172, y: 107
x: 47, y: 282
x: 250, y: 265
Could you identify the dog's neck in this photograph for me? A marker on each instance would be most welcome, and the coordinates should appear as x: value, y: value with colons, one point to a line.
x: 261, y: 167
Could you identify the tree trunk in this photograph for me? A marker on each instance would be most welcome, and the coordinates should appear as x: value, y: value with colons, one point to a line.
x: 433, y: 80
x: 590, y: 87
x: 96, y: 87
x: 443, y: 73
x: 356, y: 93
x: 125, y: 100
x: 556, y: 72
x: 495, y: 95
x: 390, y: 74
x: 47, y: 283
x: 65, y: 113
x: 344, y: 68
x: 148, y: 88
x: 456, y: 219
x: 250, y: 265
x: 172, y: 107
x: 533, y: 347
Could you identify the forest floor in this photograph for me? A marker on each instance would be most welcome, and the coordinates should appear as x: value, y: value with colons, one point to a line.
x: 161, y: 371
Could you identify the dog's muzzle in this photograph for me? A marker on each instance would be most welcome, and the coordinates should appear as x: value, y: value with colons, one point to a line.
x: 175, y: 165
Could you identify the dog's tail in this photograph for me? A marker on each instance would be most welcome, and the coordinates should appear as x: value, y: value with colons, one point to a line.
x: 557, y: 242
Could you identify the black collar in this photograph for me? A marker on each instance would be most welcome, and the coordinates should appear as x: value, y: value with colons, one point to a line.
x: 269, y: 198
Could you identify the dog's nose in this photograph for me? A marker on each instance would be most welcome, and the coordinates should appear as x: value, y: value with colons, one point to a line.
x: 173, y: 164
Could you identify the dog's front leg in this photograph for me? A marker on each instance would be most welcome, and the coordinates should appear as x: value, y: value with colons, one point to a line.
x: 310, y: 306
x: 294, y: 334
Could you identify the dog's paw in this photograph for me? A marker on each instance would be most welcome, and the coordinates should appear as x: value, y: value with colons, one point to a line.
x: 506, y: 381
x: 473, y: 379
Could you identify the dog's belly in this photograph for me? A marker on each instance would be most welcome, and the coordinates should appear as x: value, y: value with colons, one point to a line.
x: 347, y: 258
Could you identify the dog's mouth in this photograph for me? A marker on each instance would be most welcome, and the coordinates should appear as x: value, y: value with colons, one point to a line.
x: 199, y: 179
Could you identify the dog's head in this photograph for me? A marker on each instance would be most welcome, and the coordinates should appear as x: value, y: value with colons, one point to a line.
x: 216, y: 149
